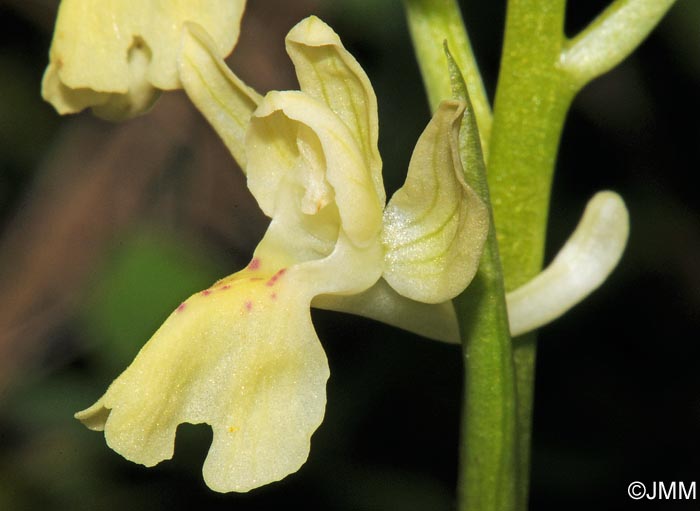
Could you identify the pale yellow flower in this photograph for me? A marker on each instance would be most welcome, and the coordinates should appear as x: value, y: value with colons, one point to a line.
x: 117, y: 55
x: 243, y: 355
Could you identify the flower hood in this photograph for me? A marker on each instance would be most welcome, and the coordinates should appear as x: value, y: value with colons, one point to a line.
x: 116, y: 56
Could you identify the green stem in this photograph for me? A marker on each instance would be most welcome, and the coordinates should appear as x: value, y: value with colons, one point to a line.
x: 541, y: 71
x: 431, y: 22
x: 532, y: 99
x: 531, y: 103
x: 524, y: 358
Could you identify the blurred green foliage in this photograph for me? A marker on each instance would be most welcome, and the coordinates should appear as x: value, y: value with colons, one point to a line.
x: 144, y: 278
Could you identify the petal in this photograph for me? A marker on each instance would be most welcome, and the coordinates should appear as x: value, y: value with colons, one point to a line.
x: 64, y: 99
x: 241, y: 356
x: 329, y: 73
x: 139, y: 96
x: 382, y: 303
x: 346, y: 270
x: 95, y: 41
x: 435, y: 225
x: 296, y: 144
x: 225, y: 101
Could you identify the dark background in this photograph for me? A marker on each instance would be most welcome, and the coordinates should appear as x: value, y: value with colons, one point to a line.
x: 105, y: 228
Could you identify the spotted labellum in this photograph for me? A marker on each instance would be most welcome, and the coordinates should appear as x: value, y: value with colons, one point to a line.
x: 243, y: 356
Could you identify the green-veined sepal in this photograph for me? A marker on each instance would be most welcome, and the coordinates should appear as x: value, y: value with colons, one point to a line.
x: 435, y: 225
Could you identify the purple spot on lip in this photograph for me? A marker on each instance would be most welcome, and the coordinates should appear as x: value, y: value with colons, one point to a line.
x: 206, y: 292
x: 254, y: 264
x: 248, y: 305
x: 275, y: 277
x: 181, y: 307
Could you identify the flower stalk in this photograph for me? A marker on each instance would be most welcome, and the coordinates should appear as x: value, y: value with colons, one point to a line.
x: 532, y: 99
x: 541, y: 72
x: 431, y: 22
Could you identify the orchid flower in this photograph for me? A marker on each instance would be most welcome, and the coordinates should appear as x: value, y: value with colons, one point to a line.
x: 582, y: 265
x: 242, y: 355
x: 117, y: 56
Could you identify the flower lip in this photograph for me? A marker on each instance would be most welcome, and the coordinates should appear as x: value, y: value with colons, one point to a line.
x: 243, y: 358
